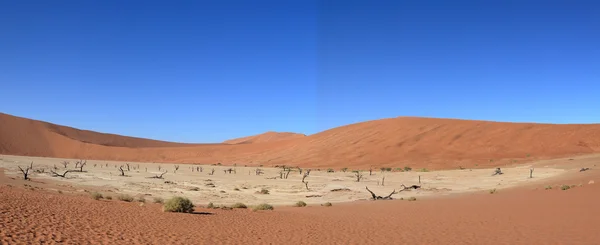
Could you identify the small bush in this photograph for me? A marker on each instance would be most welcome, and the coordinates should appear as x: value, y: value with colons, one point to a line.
x: 141, y: 199
x: 423, y: 170
x: 410, y: 199
x: 264, y: 191
x: 158, y: 200
x: 263, y: 206
x: 565, y: 187
x: 548, y: 187
x: 330, y: 170
x: 210, y: 205
x: 344, y: 169
x: 125, y: 198
x: 108, y: 197
x: 398, y: 169
x: 406, y: 169
x: 194, y: 189
x: 236, y: 189
x: 327, y: 204
x: 60, y: 192
x: 300, y: 204
x: 97, y: 196
x: 492, y: 191
x: 239, y: 205
x: 178, y: 205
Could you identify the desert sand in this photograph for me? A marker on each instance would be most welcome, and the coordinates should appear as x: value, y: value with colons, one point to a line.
x: 459, y: 200
x: 36, y: 212
x: 398, y: 142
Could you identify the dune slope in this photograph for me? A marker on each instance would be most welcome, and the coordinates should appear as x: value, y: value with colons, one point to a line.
x: 396, y: 142
x: 265, y: 137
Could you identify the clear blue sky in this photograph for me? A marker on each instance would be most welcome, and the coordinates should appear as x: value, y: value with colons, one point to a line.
x: 206, y: 71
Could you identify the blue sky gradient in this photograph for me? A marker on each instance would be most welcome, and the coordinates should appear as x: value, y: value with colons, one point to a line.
x: 207, y: 71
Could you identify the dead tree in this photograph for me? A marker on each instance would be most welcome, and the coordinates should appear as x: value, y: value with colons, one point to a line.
x: 158, y: 176
x: 358, y: 175
x: 259, y: 171
x: 212, y: 172
x: 383, y: 181
x: 531, y: 173
x: 128, y: 169
x: 26, y: 171
x: 55, y: 167
x: 65, y: 163
x: 95, y: 164
x: 198, y: 169
x: 370, y: 171
x: 304, y: 177
x: 300, y: 170
x: 55, y: 174
x: 122, y: 171
x: 176, y: 168
x: 158, y: 167
x: 306, y: 185
x: 498, y: 171
x: 584, y: 169
x: 308, y: 172
x: 80, y: 165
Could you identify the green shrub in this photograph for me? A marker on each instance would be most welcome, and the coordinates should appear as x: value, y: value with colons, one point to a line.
x: 406, y: 169
x: 239, y: 205
x: 263, y: 206
x: 210, y: 205
x: 398, y: 169
x: 178, y: 205
x: 300, y: 204
x: 264, y: 191
x: 565, y: 187
x: 125, y: 198
x: 158, y: 200
x: 97, y: 196
x: 423, y: 170
x: 412, y: 199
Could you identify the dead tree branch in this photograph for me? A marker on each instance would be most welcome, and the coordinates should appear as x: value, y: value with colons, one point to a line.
x: 158, y: 176
x: 55, y: 174
x: 176, y: 168
x: 497, y: 172
x: 388, y: 197
x: 65, y: 163
x: 122, y: 171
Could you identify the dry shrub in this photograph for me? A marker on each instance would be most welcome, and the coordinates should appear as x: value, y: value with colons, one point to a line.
x: 178, y: 205
x: 239, y: 205
x: 97, y: 196
x: 327, y: 204
x: 263, y: 206
x: 300, y: 204
x: 125, y: 198
x: 158, y: 200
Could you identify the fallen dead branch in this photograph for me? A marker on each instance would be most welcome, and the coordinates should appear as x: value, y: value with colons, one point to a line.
x: 158, y: 176
x: 389, y: 197
x: 55, y: 174
x: 497, y: 172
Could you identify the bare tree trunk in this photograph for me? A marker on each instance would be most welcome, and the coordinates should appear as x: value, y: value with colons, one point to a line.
x: 26, y: 171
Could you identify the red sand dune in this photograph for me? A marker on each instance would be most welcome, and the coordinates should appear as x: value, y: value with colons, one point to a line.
x: 265, y: 137
x: 521, y: 216
x: 396, y: 142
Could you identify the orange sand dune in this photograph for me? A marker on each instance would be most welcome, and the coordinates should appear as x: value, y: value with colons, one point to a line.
x: 265, y: 137
x: 396, y: 142
x: 521, y: 216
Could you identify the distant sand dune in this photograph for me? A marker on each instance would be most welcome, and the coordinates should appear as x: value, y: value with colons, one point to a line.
x: 397, y: 142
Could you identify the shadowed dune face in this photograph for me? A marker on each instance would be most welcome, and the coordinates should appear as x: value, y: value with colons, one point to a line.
x: 397, y: 142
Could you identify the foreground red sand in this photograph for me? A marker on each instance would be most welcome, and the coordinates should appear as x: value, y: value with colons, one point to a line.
x: 398, y: 142
x: 522, y: 216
